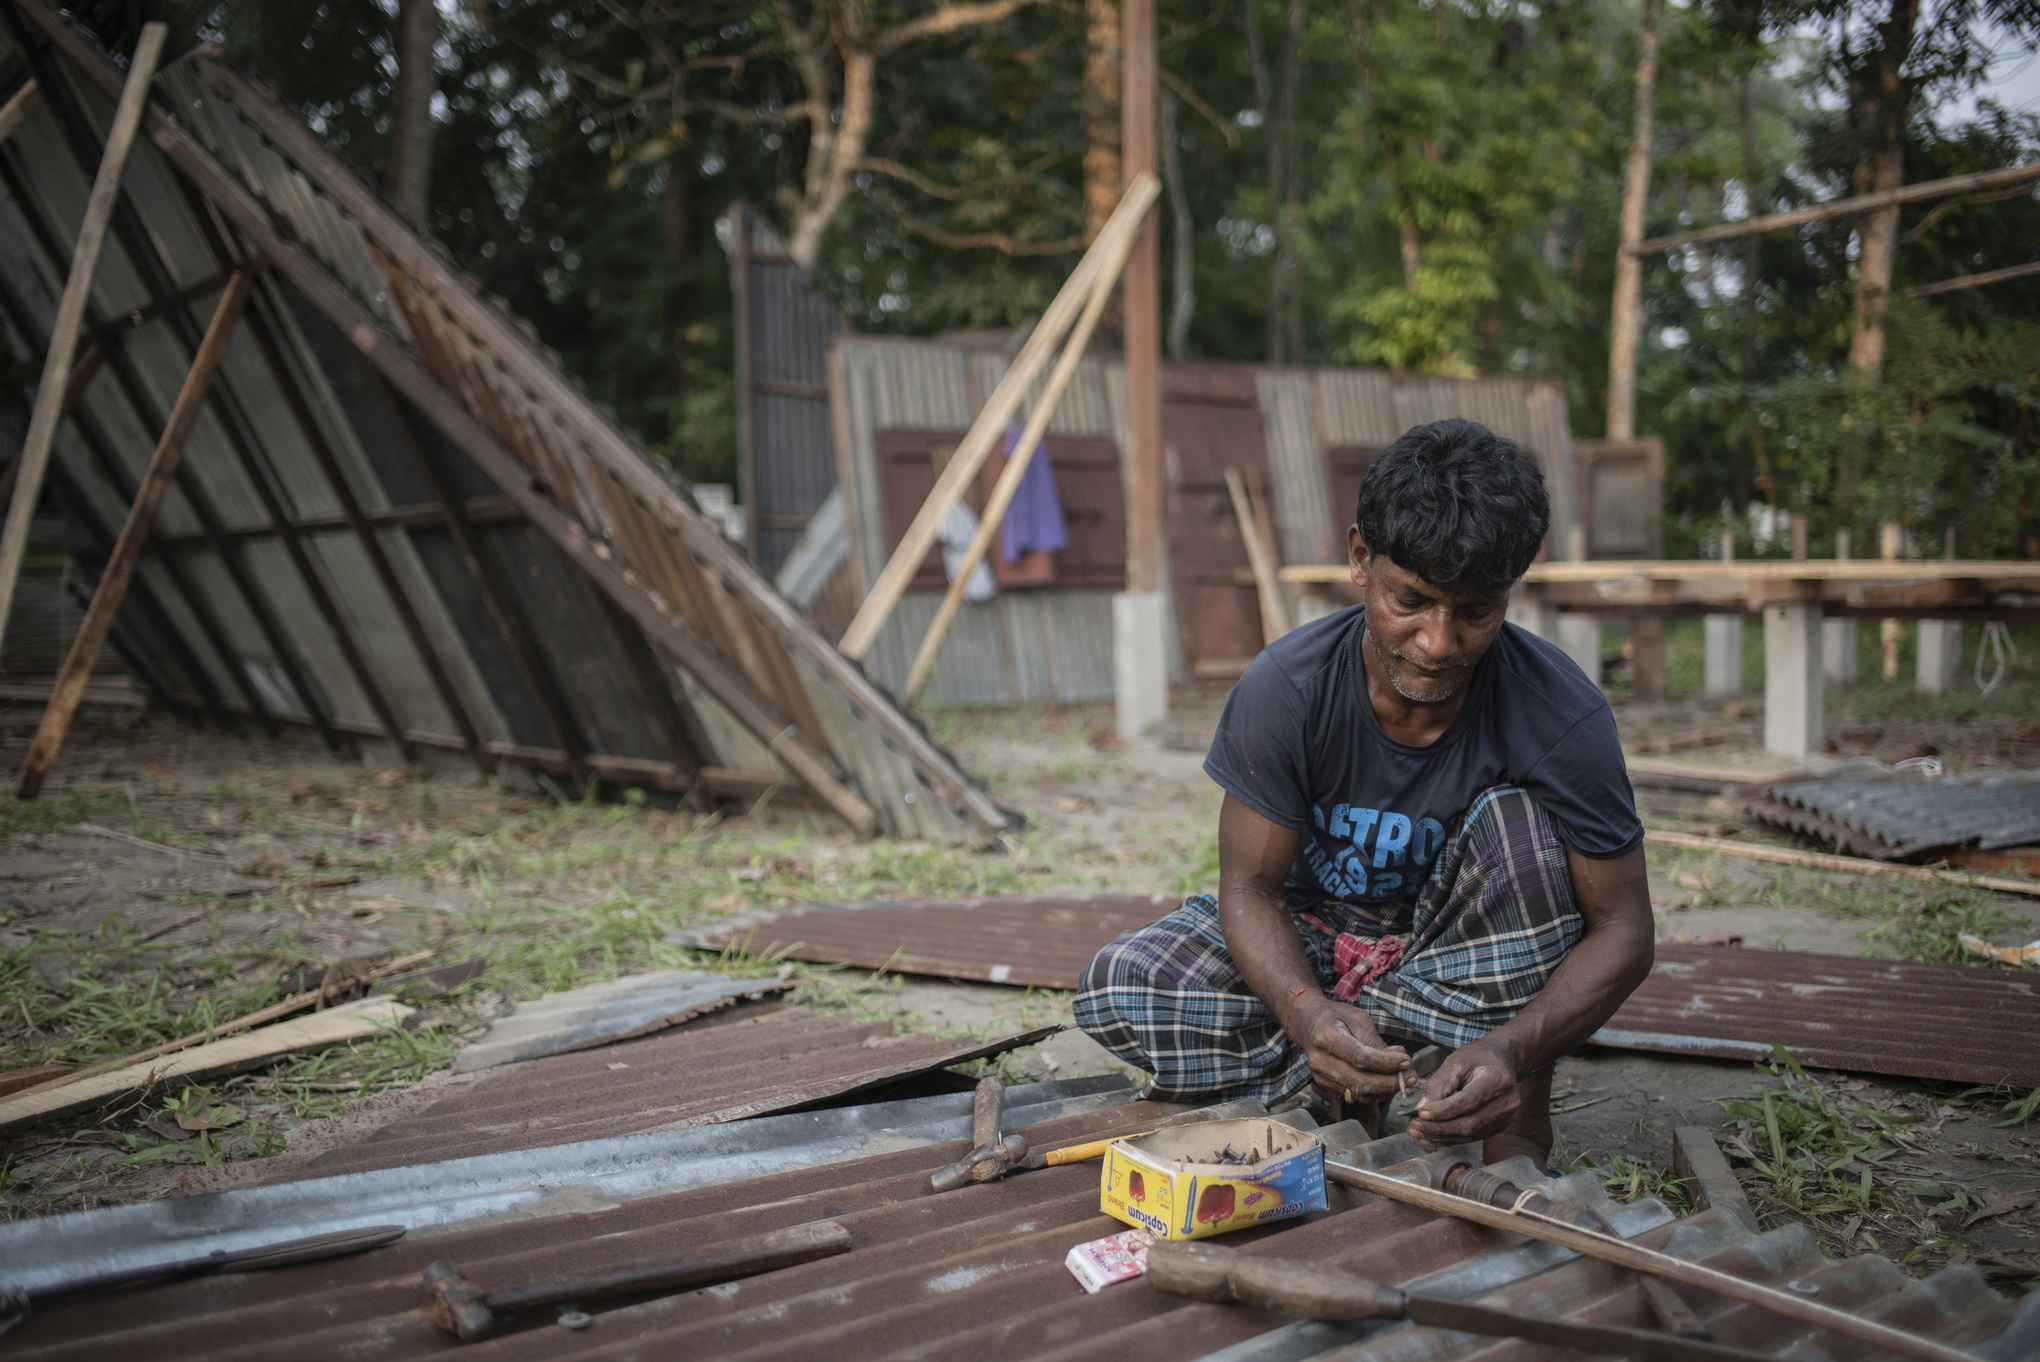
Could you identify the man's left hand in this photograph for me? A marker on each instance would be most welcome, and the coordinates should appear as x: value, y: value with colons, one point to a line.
x: 1472, y: 1096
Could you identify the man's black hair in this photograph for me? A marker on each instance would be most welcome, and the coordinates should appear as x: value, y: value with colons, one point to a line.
x: 1457, y: 504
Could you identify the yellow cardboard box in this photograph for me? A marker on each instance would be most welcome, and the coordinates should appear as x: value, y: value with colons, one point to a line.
x: 1190, y: 1182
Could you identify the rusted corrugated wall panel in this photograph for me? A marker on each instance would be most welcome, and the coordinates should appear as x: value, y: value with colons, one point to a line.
x: 787, y: 457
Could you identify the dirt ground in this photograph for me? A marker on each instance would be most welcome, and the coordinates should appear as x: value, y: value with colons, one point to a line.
x: 226, y: 871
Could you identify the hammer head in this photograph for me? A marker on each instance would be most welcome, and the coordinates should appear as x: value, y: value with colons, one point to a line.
x: 457, y: 1303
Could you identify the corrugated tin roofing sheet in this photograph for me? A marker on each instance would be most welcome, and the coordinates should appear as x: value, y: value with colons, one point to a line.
x: 1899, y: 816
x: 725, y: 1068
x: 1960, y: 1023
x: 979, y: 1273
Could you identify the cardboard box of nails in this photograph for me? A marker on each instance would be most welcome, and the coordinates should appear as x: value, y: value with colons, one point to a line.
x: 1194, y: 1181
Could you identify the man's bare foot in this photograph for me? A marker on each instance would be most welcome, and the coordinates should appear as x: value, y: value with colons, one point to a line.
x: 1529, y: 1132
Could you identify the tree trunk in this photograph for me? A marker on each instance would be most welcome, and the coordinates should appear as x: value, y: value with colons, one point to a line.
x: 1184, y: 293
x: 410, y: 160
x: 1745, y: 450
x: 1271, y: 132
x: 1624, y: 309
x: 1101, y: 114
x: 1883, y: 102
x: 1292, y: 185
x: 681, y: 301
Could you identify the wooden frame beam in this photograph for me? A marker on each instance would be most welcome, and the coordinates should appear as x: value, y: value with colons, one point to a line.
x: 134, y: 535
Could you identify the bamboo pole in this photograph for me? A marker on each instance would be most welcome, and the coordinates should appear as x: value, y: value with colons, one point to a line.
x: 1862, y: 203
x: 134, y: 537
x: 1260, y: 557
x: 1640, y: 1259
x: 1141, y: 195
x: 1962, y: 281
x: 1850, y: 865
x: 976, y: 447
x: 16, y: 109
x: 34, y: 459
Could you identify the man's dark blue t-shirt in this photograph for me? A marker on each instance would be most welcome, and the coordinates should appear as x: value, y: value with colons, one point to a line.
x: 1300, y: 745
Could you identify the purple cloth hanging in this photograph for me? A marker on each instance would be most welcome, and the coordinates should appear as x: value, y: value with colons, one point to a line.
x: 1035, y: 519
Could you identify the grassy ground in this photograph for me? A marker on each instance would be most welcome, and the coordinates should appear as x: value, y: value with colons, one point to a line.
x: 105, y: 947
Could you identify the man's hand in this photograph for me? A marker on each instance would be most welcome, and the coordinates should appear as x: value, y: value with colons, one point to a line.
x: 1347, y: 1056
x: 1472, y: 1096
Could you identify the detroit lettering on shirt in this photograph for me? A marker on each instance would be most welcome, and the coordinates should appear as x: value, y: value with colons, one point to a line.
x: 1300, y: 745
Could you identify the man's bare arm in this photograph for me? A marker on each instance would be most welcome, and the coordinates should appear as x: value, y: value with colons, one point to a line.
x: 1346, y: 1054
x: 1473, y: 1094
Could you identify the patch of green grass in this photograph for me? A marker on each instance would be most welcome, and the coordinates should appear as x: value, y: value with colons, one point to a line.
x: 1817, y: 1155
x: 1629, y: 1179
x: 1933, y: 932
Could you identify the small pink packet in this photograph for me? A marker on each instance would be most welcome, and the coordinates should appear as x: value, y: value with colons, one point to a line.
x: 1115, y: 1258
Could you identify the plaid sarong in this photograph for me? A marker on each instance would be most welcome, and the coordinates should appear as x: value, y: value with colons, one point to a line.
x: 1490, y: 925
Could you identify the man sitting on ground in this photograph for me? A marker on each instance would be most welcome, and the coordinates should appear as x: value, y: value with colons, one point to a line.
x: 1428, y: 836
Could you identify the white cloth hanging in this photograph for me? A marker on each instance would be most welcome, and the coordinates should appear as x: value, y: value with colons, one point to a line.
x: 959, y: 526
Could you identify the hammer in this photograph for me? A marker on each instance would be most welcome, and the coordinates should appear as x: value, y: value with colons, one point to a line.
x: 995, y: 1155
x: 461, y: 1307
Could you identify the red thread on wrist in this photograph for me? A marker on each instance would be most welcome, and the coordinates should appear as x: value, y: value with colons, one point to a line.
x: 1289, y: 1007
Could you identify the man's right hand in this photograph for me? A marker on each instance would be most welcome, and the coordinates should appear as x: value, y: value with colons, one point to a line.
x: 1348, y: 1058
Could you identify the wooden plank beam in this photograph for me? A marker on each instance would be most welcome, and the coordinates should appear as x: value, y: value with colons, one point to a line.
x: 49, y: 398
x: 16, y: 108
x: 1963, y: 281
x: 134, y: 536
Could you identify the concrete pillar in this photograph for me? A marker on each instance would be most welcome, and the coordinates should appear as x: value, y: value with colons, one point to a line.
x: 1647, y: 656
x: 1724, y: 654
x: 1940, y: 650
x: 1533, y: 613
x: 1794, y: 722
x: 1838, y: 646
x: 1140, y: 661
x: 1579, y: 638
x: 1838, y: 651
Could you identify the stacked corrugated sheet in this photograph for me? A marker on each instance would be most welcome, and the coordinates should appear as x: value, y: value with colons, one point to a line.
x: 1908, y: 816
x: 973, y: 1273
x: 397, y: 517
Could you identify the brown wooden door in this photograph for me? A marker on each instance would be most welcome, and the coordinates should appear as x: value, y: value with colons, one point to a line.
x: 1211, y: 421
x: 1346, y: 468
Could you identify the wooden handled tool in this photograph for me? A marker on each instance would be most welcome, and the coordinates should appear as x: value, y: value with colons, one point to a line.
x: 1625, y: 1254
x: 994, y: 1155
x: 460, y: 1307
x: 1215, y: 1273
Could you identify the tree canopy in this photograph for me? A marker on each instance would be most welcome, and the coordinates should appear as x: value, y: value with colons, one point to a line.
x: 1426, y: 185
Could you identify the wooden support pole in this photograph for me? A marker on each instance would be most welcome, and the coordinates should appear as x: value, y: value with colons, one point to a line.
x: 16, y: 108
x: 1260, y: 557
x: 1141, y: 195
x: 56, y: 376
x: 1622, y: 311
x: 134, y: 535
x: 984, y: 432
x: 1963, y: 281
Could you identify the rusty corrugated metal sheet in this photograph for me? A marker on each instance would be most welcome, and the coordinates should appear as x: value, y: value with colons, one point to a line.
x: 1955, y: 1022
x: 979, y: 1273
x: 1043, y: 942
x: 762, y: 1060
